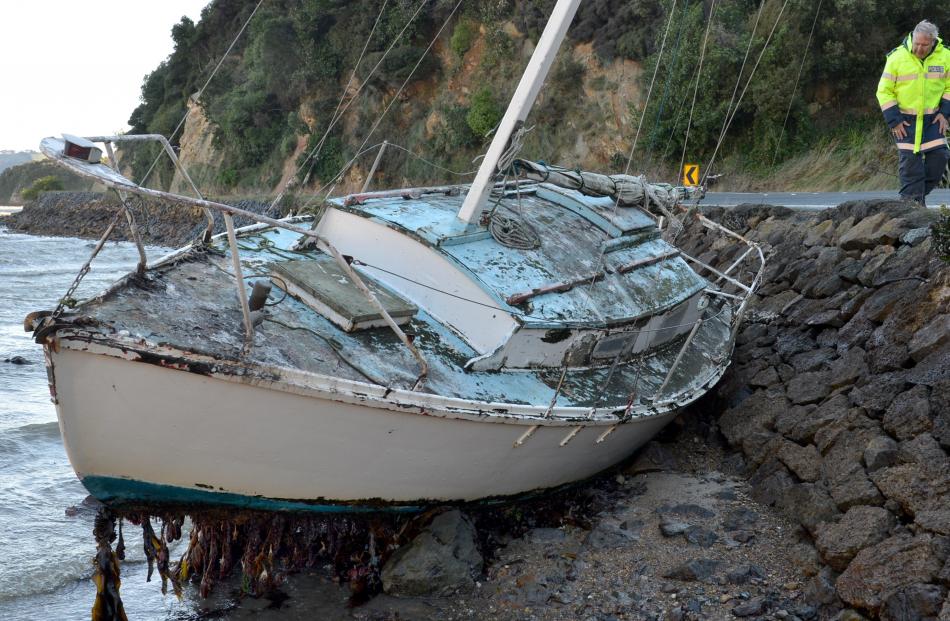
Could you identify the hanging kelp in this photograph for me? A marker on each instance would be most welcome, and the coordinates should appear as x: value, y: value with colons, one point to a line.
x: 108, y: 605
x: 265, y: 546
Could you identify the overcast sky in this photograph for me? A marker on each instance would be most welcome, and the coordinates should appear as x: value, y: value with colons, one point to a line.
x: 77, y: 67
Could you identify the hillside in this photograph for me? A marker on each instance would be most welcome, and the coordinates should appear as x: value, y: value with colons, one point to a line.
x: 15, y: 179
x: 253, y: 127
x: 9, y: 159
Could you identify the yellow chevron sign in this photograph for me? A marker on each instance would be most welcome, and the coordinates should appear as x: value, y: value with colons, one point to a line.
x: 691, y: 175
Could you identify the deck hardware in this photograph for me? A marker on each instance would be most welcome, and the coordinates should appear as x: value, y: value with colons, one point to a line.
x: 604, y: 435
x: 570, y: 436
x: 527, y: 434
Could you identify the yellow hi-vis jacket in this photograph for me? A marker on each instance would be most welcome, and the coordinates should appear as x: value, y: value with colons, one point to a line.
x: 915, y: 90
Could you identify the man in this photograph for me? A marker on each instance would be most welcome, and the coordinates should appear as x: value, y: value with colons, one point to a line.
x: 914, y: 93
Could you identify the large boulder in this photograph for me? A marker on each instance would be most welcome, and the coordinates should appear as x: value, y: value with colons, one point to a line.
x: 441, y: 560
x: 879, y: 571
x: 859, y: 528
x: 873, y: 231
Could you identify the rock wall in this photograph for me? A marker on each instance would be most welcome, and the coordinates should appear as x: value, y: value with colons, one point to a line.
x: 839, y: 397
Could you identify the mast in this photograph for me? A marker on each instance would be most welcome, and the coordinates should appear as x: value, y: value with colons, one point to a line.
x: 520, y: 105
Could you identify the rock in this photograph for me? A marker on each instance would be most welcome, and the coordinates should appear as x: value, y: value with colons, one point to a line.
x: 756, y: 413
x: 765, y: 378
x: 883, y: 301
x: 881, y: 452
x: 809, y: 387
x: 856, y: 332
x: 930, y: 338
x: 800, y: 423
x: 696, y: 570
x: 915, y: 236
x: 913, y: 486
x: 606, y: 535
x: 880, y: 570
x: 700, y: 536
x: 872, y: 231
x: 849, y: 368
x: 803, y: 461
x: 879, y: 391
x: 821, y: 588
x: 746, y: 573
x: 909, y: 414
x: 787, y: 344
x: 820, y: 234
x: 755, y: 606
x: 770, y: 481
x: 913, y: 602
x: 804, y: 556
x: 672, y: 528
x: 809, y: 505
x: 442, y: 559
x: 859, y: 528
x: 854, y: 489
x: 18, y: 360
x: 687, y: 511
x: 925, y: 451
x: 652, y: 458
x: 812, y: 360
x: 740, y: 518
x: 933, y: 369
x: 940, y: 408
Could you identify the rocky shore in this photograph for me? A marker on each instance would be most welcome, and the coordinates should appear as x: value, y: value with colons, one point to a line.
x: 87, y: 214
x: 813, y: 484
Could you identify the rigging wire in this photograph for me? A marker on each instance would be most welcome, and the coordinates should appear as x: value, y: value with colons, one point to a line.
x: 395, y: 97
x: 699, y: 74
x: 744, y: 90
x: 732, y: 100
x: 646, y: 104
x: 669, y: 78
x: 791, y: 98
x: 203, y: 87
x: 337, y: 113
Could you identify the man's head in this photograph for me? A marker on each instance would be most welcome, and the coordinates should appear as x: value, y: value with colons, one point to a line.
x: 923, y: 39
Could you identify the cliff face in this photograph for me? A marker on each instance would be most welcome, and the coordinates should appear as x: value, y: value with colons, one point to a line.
x: 839, y: 398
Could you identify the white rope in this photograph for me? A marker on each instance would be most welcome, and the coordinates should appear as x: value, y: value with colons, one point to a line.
x: 699, y: 75
x: 430, y: 163
x: 395, y: 97
x: 791, y: 97
x: 744, y: 90
x: 203, y: 87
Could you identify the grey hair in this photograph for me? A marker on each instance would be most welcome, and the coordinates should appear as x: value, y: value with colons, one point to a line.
x: 927, y: 28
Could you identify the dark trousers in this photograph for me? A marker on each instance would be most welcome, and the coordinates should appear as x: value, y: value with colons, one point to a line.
x: 921, y: 172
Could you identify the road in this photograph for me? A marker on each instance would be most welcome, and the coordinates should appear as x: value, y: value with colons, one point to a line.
x: 4, y: 210
x: 810, y: 201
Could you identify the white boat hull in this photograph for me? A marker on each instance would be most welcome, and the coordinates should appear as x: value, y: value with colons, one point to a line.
x: 138, y: 431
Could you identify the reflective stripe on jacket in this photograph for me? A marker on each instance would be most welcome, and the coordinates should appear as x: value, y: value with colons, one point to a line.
x: 914, y: 90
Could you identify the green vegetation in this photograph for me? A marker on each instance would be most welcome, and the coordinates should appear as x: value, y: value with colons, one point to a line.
x: 17, y: 180
x: 284, y: 78
x: 484, y: 114
x: 462, y: 37
x: 941, y: 234
x: 43, y: 184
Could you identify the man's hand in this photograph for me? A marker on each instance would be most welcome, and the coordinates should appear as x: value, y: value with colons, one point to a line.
x: 942, y: 122
x: 900, y: 133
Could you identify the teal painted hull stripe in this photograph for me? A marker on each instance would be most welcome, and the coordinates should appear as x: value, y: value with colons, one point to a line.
x: 111, y: 490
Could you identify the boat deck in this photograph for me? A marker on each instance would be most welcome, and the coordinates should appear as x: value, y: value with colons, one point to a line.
x: 190, y: 303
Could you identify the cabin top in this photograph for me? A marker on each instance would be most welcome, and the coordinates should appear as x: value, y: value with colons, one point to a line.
x: 588, y: 261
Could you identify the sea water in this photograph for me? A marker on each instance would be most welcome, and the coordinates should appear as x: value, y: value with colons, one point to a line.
x: 46, y: 516
x: 46, y: 542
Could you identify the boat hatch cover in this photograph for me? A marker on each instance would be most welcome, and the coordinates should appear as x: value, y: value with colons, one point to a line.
x: 323, y: 286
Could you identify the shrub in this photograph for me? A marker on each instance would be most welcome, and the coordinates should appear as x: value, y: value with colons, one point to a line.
x: 462, y: 37
x: 49, y: 183
x: 484, y: 113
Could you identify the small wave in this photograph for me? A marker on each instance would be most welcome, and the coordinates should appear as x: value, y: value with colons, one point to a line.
x: 37, y: 430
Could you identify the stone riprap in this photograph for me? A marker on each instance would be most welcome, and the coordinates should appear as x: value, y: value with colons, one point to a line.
x: 838, y: 396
